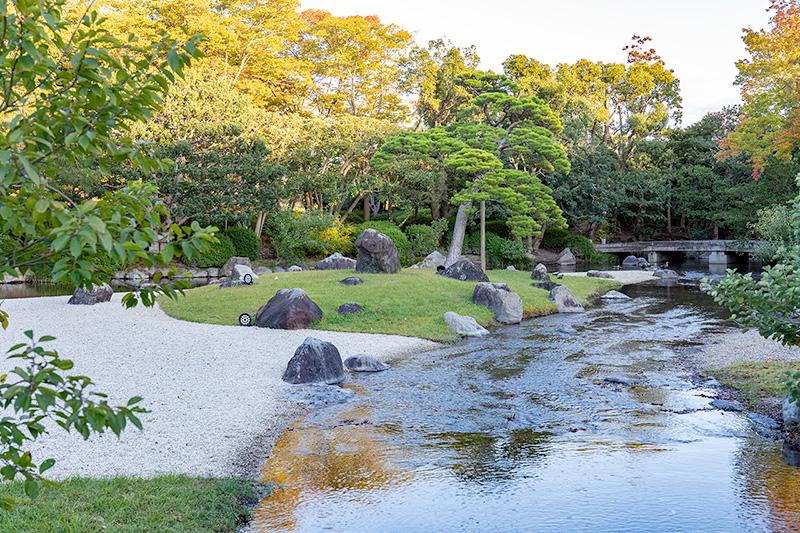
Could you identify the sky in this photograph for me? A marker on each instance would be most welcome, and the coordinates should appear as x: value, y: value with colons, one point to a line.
x: 700, y: 40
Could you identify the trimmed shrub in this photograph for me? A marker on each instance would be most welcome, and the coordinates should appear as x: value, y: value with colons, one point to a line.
x: 390, y: 230
x: 295, y: 235
x: 213, y: 254
x: 555, y: 239
x: 422, y: 239
x: 244, y: 240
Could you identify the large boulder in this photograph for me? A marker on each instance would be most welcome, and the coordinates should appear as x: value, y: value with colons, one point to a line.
x: 464, y: 270
x: 507, y: 305
x: 336, y: 262
x: 432, y: 260
x: 565, y: 300
x: 632, y: 262
x: 566, y: 257
x: 540, y: 273
x: 239, y: 272
x: 377, y: 253
x: 288, y: 309
x: 464, y: 325
x: 227, y: 268
x: 315, y: 361
x: 97, y: 295
x: 364, y: 363
x: 791, y: 415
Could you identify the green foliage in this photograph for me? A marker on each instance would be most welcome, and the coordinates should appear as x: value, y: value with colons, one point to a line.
x: 500, y: 252
x: 776, y: 226
x: 422, y: 239
x: 555, y: 238
x: 390, y: 230
x: 214, y: 254
x: 244, y: 240
x: 39, y: 389
x: 294, y: 235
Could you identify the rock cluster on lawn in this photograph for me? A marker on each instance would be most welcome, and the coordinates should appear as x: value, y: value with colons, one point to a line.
x: 315, y: 361
x: 336, y: 262
x: 97, y: 295
x: 288, y: 309
x: 464, y: 325
x: 227, y: 268
x: 540, y: 273
x: 507, y: 305
x: 432, y: 260
x: 352, y: 280
x: 377, y: 253
x: 464, y: 270
x: 565, y: 300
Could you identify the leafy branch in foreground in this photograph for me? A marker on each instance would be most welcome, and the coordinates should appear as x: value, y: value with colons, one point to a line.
x: 36, y: 390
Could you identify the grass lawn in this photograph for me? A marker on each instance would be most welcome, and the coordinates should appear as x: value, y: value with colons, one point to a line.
x: 129, y: 505
x: 757, y: 380
x: 410, y: 302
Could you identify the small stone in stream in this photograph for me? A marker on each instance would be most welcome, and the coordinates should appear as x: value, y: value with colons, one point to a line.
x: 620, y: 380
x: 566, y: 329
x: 615, y: 295
x: 726, y: 405
x: 791, y: 414
x: 761, y: 420
x: 364, y: 363
x: 320, y: 395
x: 349, y: 309
x: 464, y: 325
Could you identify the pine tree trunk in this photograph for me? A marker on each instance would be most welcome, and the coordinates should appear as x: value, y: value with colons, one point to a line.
x: 460, y: 229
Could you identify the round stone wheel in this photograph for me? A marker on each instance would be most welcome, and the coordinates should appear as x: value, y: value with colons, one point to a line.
x: 245, y: 319
x: 248, y: 279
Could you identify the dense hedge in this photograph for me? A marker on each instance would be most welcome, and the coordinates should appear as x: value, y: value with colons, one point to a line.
x: 213, y: 255
x: 422, y: 239
x: 245, y: 242
x: 500, y: 252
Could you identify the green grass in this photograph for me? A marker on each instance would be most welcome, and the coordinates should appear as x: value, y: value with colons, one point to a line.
x: 757, y: 380
x: 410, y: 302
x: 129, y: 505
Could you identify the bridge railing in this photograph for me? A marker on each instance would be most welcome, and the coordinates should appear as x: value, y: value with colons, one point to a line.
x: 680, y: 246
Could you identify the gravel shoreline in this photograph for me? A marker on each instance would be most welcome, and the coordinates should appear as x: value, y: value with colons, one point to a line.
x: 215, y: 393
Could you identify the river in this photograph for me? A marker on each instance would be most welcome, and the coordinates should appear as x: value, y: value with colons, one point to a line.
x: 532, y: 430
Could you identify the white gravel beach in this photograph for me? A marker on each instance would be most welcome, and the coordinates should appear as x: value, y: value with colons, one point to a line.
x: 215, y: 393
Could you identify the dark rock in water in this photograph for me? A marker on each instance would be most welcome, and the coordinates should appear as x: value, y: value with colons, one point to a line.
x: 336, y: 262
x: 464, y: 270
x: 97, y: 295
x: 565, y: 300
x: 315, y: 361
x: 547, y: 285
x: 288, y: 309
x: 236, y: 283
x: 377, y: 253
x: 464, y: 325
x: 791, y: 454
x: 620, y: 380
x: 765, y: 421
x: 227, y: 268
x: 566, y: 257
x: 320, y: 395
x: 725, y: 405
x: 540, y: 273
x: 615, y: 295
x: 566, y: 329
x: 507, y: 305
x: 666, y: 274
x: 352, y: 280
x: 349, y: 309
x: 598, y: 274
x: 364, y: 363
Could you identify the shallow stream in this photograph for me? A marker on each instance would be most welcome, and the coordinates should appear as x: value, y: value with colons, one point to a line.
x: 522, y: 431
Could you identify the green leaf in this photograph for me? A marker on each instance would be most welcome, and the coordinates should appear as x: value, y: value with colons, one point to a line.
x: 31, y: 489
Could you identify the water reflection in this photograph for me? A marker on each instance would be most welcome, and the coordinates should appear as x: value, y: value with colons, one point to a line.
x: 528, y: 430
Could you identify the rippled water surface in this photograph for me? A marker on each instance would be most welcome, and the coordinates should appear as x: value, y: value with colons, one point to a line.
x: 521, y: 431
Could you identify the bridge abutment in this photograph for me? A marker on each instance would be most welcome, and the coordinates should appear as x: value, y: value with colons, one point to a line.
x: 720, y: 258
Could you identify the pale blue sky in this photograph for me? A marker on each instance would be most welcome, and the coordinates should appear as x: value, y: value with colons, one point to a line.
x: 700, y: 40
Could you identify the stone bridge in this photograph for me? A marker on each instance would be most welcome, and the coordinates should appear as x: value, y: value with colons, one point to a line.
x: 721, y: 252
